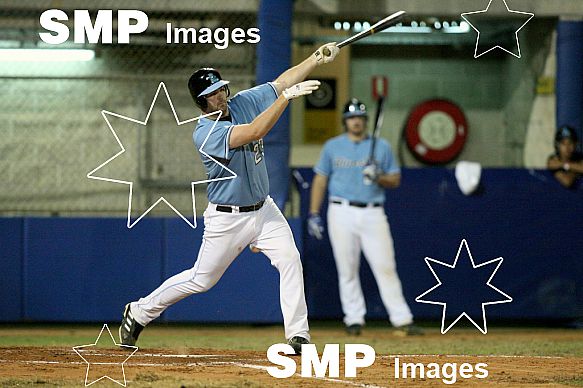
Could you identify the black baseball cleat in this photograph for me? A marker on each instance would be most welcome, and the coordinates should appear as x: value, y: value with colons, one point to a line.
x: 296, y: 343
x: 354, y: 329
x: 408, y: 330
x: 129, y: 330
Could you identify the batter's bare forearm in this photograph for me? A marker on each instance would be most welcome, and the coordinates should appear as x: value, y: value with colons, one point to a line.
x: 319, y: 184
x: 576, y: 167
x: 260, y: 126
x: 295, y: 74
x: 390, y: 181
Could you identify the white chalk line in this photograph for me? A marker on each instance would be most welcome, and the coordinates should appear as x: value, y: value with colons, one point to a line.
x: 237, y: 363
x: 379, y: 356
x: 352, y: 383
x: 468, y: 355
x: 109, y: 363
x: 160, y: 355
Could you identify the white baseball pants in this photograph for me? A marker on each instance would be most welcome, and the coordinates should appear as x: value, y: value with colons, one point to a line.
x: 351, y: 229
x: 225, y: 236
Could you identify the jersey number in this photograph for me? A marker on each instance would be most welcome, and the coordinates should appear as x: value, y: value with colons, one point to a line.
x: 258, y: 149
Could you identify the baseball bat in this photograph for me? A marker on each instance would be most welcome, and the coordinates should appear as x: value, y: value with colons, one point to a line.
x: 377, y: 128
x: 387, y: 22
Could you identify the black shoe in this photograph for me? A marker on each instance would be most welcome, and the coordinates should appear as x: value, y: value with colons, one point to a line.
x: 354, y: 329
x: 296, y: 343
x: 408, y: 330
x: 129, y: 329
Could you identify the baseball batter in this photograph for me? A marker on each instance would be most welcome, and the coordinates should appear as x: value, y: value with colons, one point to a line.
x: 240, y: 211
x: 356, y: 219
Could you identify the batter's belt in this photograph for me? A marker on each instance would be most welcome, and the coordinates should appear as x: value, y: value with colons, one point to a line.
x: 240, y: 209
x: 357, y: 204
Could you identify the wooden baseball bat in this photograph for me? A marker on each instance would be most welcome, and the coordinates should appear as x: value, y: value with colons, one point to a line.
x: 387, y: 22
x: 377, y: 128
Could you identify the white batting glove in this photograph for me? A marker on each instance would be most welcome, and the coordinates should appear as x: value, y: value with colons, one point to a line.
x: 371, y: 174
x: 301, y: 89
x: 326, y: 53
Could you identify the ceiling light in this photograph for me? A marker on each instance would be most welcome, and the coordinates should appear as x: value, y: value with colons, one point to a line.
x: 46, y: 55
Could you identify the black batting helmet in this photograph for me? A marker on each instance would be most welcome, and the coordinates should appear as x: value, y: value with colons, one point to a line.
x: 205, y: 81
x: 354, y: 108
x: 566, y: 132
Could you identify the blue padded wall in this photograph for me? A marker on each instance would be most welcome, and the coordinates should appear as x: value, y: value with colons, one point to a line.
x: 76, y: 269
x: 11, y: 254
x: 87, y: 269
x: 524, y: 216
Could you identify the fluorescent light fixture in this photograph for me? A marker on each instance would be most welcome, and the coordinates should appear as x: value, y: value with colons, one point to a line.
x: 46, y: 55
x: 410, y: 30
x: 9, y: 43
x: 463, y: 28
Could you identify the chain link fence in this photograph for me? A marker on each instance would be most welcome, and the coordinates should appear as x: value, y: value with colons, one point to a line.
x: 53, y: 129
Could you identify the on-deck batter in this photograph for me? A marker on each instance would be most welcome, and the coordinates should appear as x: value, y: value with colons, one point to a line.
x: 240, y: 212
x: 356, y: 218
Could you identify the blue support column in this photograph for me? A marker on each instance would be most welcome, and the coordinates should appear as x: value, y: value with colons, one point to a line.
x: 570, y: 76
x: 273, y: 58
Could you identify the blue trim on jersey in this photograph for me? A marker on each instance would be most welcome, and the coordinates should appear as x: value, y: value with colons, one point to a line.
x: 274, y: 88
x: 228, y: 140
x: 320, y: 172
x: 343, y: 160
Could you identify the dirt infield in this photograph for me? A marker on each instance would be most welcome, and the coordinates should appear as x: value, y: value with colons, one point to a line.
x: 235, y: 356
x: 36, y: 366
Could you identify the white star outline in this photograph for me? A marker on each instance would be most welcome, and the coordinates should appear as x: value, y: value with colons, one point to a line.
x: 497, y: 46
x: 129, y: 347
x: 91, y: 175
x: 419, y: 299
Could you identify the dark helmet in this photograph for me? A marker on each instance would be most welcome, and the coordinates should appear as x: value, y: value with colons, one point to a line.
x: 566, y: 132
x: 205, y: 81
x: 354, y: 108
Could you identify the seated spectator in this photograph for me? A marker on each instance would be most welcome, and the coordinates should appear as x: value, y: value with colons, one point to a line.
x: 566, y: 162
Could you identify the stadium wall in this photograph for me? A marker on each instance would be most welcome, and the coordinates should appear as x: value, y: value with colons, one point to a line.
x: 86, y: 269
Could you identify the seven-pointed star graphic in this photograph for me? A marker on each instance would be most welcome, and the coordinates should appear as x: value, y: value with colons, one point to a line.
x: 124, y: 165
x: 479, y: 19
x: 95, y: 354
x: 467, y: 283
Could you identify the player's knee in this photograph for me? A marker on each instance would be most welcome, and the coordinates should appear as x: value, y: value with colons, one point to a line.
x: 199, y: 284
x: 291, y: 259
x: 348, y: 276
x: 200, y: 288
x: 390, y: 272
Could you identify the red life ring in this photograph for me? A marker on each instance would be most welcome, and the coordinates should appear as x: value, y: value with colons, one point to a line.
x: 436, y: 131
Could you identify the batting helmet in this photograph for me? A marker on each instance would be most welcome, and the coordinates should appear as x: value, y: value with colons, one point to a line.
x: 566, y: 132
x: 354, y: 108
x: 205, y: 81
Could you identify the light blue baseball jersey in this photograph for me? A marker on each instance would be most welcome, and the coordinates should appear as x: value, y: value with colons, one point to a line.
x: 251, y: 184
x: 342, y: 161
